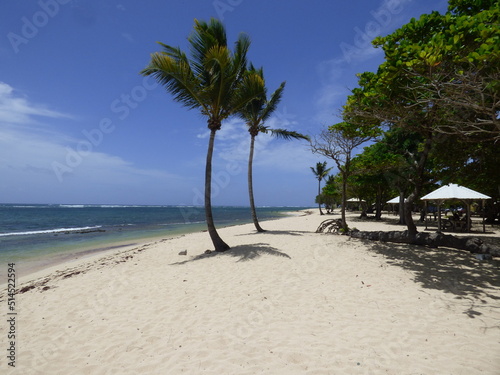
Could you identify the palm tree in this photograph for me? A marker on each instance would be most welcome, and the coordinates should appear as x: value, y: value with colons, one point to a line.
x: 213, y: 80
x: 255, y: 113
x: 320, y: 172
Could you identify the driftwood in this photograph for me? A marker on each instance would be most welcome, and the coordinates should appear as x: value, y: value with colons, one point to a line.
x: 472, y: 244
x: 330, y: 226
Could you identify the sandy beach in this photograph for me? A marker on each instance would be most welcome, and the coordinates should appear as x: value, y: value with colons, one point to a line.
x: 287, y: 301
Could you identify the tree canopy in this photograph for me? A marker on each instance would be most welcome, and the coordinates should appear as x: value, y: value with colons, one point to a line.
x: 438, y: 88
x: 440, y: 66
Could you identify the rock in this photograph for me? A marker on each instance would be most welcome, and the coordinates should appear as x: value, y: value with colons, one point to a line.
x: 183, y: 252
x: 483, y: 256
x: 434, y: 240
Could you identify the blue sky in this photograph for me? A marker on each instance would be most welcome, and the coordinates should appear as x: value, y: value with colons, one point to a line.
x: 79, y: 124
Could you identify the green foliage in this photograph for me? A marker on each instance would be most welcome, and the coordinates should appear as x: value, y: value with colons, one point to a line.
x: 363, y: 130
x: 474, y: 165
x: 257, y: 111
x: 320, y: 171
x: 471, y: 7
x: 287, y: 135
x: 441, y: 74
x: 214, y: 80
x: 330, y: 194
x: 435, y: 39
x: 331, y: 187
x: 437, y: 96
x: 344, y: 230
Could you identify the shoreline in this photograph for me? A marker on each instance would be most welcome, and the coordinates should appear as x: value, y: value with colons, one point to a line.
x: 68, y: 258
x: 358, y: 307
x: 59, y: 262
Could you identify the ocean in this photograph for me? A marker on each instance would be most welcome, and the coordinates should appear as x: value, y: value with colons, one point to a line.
x: 35, y: 236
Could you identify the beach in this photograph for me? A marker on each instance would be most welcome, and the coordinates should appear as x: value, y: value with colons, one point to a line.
x: 286, y: 301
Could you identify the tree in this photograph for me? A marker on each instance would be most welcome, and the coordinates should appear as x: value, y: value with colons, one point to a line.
x: 450, y: 61
x: 320, y: 172
x: 329, y: 194
x: 474, y: 165
x: 338, y: 143
x: 470, y: 7
x: 213, y: 80
x: 386, y: 102
x: 371, y: 174
x: 440, y: 79
x: 255, y: 114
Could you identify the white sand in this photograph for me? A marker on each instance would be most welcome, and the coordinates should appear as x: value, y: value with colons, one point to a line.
x: 287, y: 301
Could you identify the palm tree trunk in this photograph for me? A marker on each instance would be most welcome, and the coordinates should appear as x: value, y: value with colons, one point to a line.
x: 219, y: 244
x: 250, y: 186
x: 319, y: 192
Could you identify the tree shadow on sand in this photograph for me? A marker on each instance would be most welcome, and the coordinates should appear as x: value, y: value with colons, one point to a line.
x: 449, y: 270
x: 282, y: 232
x: 243, y: 253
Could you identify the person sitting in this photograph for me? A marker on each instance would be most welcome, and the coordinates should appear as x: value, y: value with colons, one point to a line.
x: 465, y: 223
x: 456, y: 222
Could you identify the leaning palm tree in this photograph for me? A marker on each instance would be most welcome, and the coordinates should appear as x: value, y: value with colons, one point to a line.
x: 213, y: 80
x: 320, y: 172
x: 255, y: 113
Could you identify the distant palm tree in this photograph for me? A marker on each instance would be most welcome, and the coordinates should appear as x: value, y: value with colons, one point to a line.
x: 255, y: 113
x: 320, y: 172
x: 214, y: 80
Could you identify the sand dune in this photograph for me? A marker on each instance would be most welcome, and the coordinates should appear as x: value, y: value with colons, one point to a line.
x: 287, y: 301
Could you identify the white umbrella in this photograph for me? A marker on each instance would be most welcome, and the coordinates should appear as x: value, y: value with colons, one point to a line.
x: 394, y: 201
x: 454, y: 191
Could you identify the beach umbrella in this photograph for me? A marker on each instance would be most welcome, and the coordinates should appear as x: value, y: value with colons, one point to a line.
x: 395, y: 200
x: 454, y: 191
x: 354, y: 203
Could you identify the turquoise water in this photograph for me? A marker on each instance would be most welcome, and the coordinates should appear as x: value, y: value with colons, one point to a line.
x: 33, y: 235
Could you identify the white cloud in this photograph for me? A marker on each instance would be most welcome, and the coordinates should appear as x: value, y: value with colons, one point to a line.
x: 232, y: 145
x: 18, y: 110
x: 36, y: 169
x: 36, y: 165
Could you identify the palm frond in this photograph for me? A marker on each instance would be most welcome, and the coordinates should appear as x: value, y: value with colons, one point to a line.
x: 320, y: 171
x: 177, y: 78
x: 249, y: 88
x: 285, y: 134
x: 213, y: 78
x: 273, y: 102
x: 204, y: 37
x: 240, y: 62
x: 251, y: 111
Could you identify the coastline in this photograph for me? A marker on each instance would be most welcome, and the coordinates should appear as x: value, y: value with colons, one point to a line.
x: 74, y: 254
x: 63, y: 253
x: 286, y: 301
